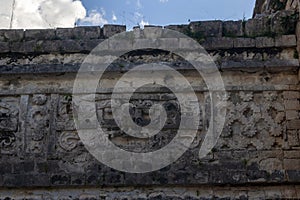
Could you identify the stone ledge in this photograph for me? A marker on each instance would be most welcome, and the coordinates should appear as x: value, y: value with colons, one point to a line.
x: 285, y: 191
x: 270, y: 65
x: 245, y: 65
x: 76, y: 33
x: 86, y: 45
x: 259, y: 27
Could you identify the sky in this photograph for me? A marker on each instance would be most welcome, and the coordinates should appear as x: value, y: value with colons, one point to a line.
x: 68, y: 13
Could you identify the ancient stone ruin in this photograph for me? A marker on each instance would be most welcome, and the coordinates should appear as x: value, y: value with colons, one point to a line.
x: 256, y: 157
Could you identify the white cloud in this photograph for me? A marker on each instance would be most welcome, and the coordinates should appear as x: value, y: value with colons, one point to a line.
x: 143, y: 23
x: 163, y: 1
x: 114, y: 17
x: 94, y: 18
x: 41, y: 13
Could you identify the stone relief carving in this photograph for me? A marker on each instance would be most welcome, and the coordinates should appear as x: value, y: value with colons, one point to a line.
x: 64, y: 118
x: 68, y: 140
x: 7, y: 140
x: 9, y: 113
x: 38, y: 123
x: 8, y: 117
x: 253, y: 120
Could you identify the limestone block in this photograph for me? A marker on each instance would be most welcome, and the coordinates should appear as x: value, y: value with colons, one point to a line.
x: 233, y: 28
x: 283, y: 22
x: 291, y: 164
x: 179, y: 28
x: 110, y: 30
x: 292, y: 114
x: 292, y: 154
x: 291, y: 95
x: 16, y: 35
x: 292, y: 105
x: 265, y: 42
x: 69, y: 33
x: 244, y: 43
x: 40, y: 34
x: 90, y: 32
x: 218, y: 43
x: 204, y: 29
x: 257, y: 27
x: 286, y: 41
x: 4, y: 47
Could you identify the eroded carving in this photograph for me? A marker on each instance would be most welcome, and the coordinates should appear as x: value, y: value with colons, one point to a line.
x: 8, y: 117
x: 253, y: 117
x: 9, y: 113
x: 68, y: 140
x: 38, y: 122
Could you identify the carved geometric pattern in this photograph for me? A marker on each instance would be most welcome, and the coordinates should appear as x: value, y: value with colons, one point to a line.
x: 254, y: 120
x: 9, y: 119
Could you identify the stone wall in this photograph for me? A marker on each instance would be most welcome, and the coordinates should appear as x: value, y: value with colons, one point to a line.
x: 267, y: 7
x: 257, y: 155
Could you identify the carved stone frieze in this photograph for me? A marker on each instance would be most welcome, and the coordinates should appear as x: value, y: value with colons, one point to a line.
x: 9, y: 119
x: 254, y: 120
x: 37, y: 126
x: 68, y: 140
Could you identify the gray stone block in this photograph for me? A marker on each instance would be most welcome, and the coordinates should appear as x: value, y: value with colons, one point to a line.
x: 180, y: 28
x: 89, y: 45
x: 243, y: 43
x: 70, y: 33
x: 60, y: 179
x: 233, y: 28
x: 40, y: 34
x: 42, y: 46
x: 90, y: 32
x: 206, y: 29
x: 264, y: 42
x: 4, y: 47
x: 218, y: 43
x: 5, y: 168
x: 247, y: 65
x: 15, y: 35
x: 17, y: 47
x: 257, y: 27
x: 110, y: 30
x: 71, y: 46
x: 286, y: 41
x: 283, y: 22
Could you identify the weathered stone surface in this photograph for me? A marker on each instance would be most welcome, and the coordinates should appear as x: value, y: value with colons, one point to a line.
x: 70, y: 33
x: 40, y: 34
x: 265, y: 7
x: 11, y: 35
x: 283, y: 22
x: 286, y: 41
x: 292, y: 104
x: 233, y: 28
x: 264, y: 42
x: 90, y: 32
x: 257, y: 27
x: 292, y: 114
x: 110, y: 30
x: 206, y: 28
x: 293, y: 124
x: 180, y: 28
x: 218, y: 43
x: 256, y: 156
x: 4, y: 47
x: 291, y: 95
x: 244, y: 43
